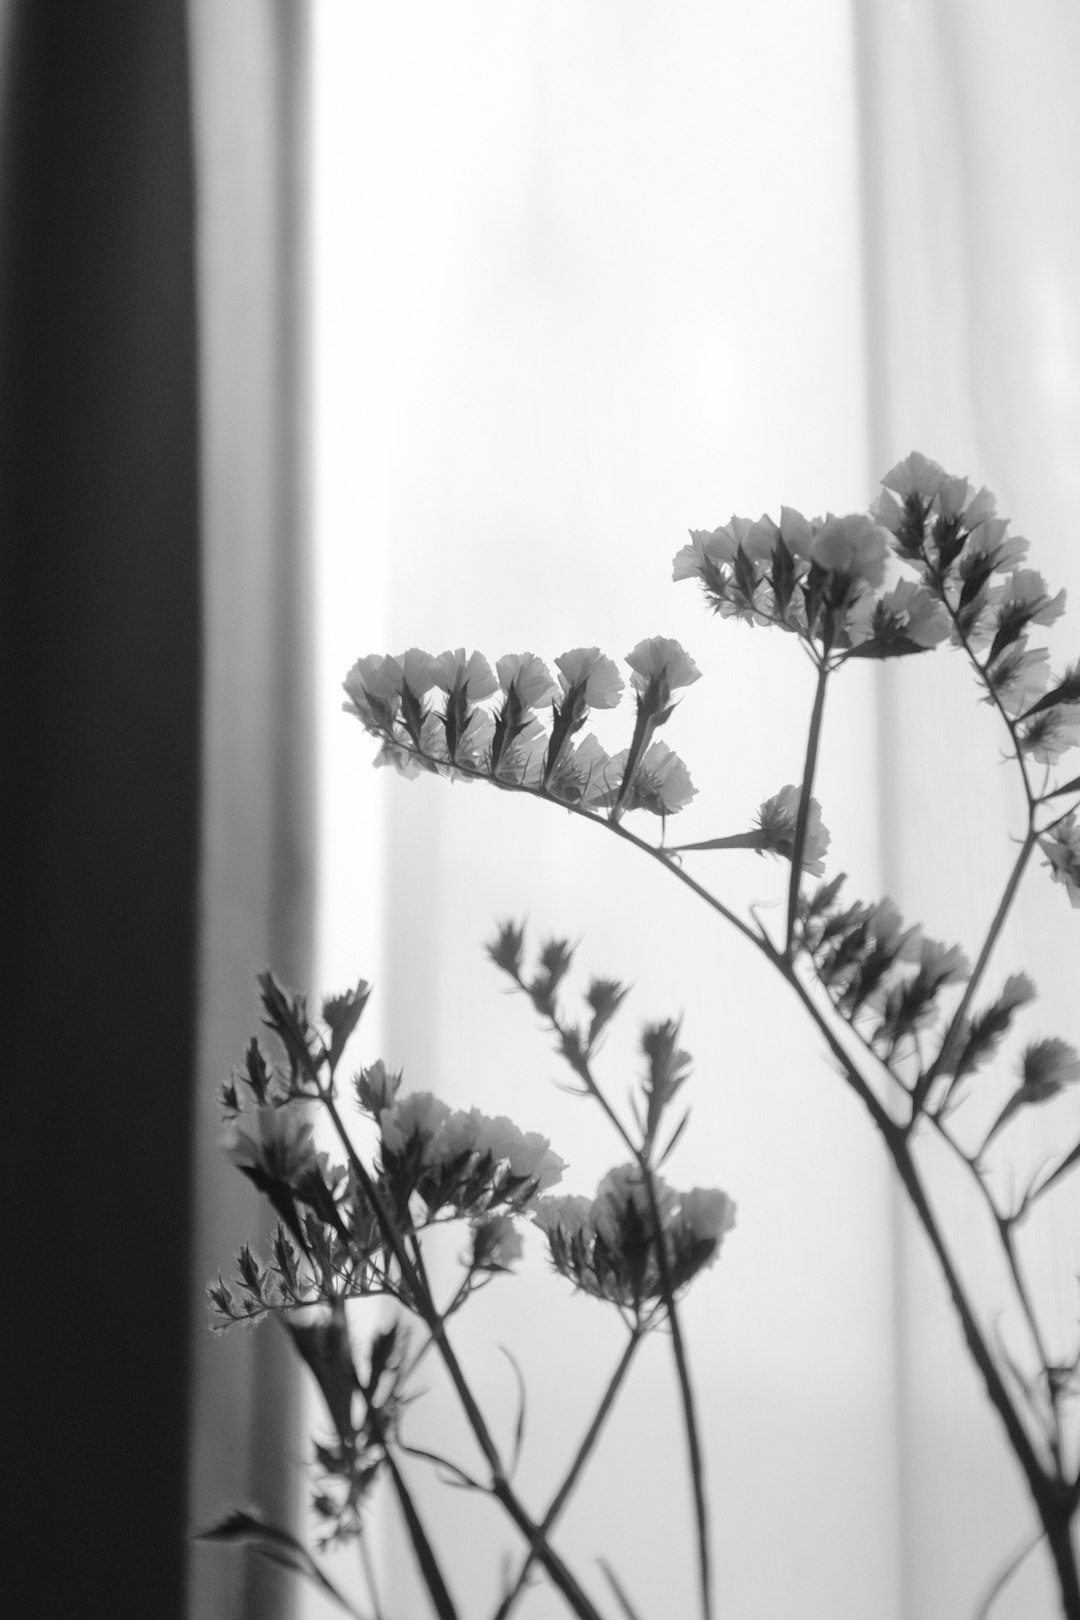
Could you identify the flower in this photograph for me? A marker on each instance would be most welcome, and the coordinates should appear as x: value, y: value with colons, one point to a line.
x: 608, y: 1246
x: 661, y: 782
x: 1046, y: 1067
x: 1061, y: 846
x: 376, y: 1089
x: 711, y: 547
x: 942, y: 964
x: 529, y: 676
x: 496, y: 1243
x: 915, y: 475
x: 777, y: 819
x: 453, y: 672
x: 1026, y: 589
x: 415, y: 1119
x: 885, y: 924
x: 705, y: 1215
x: 1051, y: 733
x: 276, y: 1142
x: 373, y: 686
x: 907, y: 613
x: 661, y: 665
x: 1018, y: 676
x: 587, y: 672
x: 853, y: 547
x: 583, y: 774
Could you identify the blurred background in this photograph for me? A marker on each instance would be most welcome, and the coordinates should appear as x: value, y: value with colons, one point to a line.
x: 333, y: 328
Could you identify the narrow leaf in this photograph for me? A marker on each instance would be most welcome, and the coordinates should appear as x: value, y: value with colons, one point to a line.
x: 277, y: 1545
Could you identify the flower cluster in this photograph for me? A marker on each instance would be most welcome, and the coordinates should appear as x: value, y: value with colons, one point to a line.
x: 875, y: 968
x: 462, y: 1163
x: 964, y: 555
x: 609, y: 1246
x: 824, y: 580
x: 817, y: 577
x: 428, y: 713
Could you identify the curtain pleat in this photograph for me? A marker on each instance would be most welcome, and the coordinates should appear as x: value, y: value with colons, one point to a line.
x: 155, y: 766
x: 249, y: 59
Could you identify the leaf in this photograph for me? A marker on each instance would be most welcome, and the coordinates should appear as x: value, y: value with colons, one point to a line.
x: 1068, y: 787
x: 279, y: 1546
x: 620, y: 1592
x: 519, y: 1427
x: 748, y: 840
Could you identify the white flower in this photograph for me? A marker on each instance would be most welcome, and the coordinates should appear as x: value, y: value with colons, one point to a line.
x: 854, y: 547
x: 1051, y: 733
x: 276, y: 1141
x: 373, y: 686
x: 907, y: 609
x: 496, y: 1243
x: 589, y: 671
x: 622, y: 1188
x: 584, y: 774
x: 706, y: 1213
x: 454, y: 672
x: 529, y: 676
x: 569, y: 1213
x: 991, y: 544
x: 419, y: 1116
x: 886, y: 926
x: 942, y: 964
x: 1061, y: 846
x: 915, y: 475
x: 777, y: 819
x: 1046, y: 1067
x: 1019, y: 676
x: 1027, y: 586
x: 661, y: 662
x: 661, y: 781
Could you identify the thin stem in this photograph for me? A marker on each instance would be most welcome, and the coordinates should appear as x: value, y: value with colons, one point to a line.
x: 1004, y: 1227
x: 584, y: 1450
x: 425, y: 1553
x: 1008, y: 895
x: 561, y: 1576
x: 579, y: 1062
x: 813, y: 740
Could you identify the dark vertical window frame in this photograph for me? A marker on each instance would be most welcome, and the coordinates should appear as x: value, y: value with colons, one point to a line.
x: 101, y: 694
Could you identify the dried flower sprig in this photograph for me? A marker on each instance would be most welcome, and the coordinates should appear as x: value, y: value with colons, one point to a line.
x: 930, y: 564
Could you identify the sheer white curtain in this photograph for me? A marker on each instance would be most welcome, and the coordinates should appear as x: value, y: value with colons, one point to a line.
x: 588, y: 275
x: 972, y: 167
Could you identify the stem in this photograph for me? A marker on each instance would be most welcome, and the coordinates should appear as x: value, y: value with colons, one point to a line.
x: 425, y: 1553
x: 591, y: 1436
x: 922, y: 1088
x: 579, y: 1062
x: 1004, y: 1226
x: 561, y: 1576
x: 813, y: 739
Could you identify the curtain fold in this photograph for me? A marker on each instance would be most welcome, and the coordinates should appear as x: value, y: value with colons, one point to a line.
x: 154, y: 641
x: 102, y: 680
x: 249, y: 60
